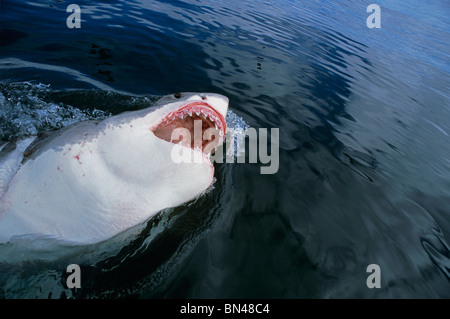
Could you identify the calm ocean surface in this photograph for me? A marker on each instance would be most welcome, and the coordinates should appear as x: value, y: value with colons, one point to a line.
x: 364, y: 158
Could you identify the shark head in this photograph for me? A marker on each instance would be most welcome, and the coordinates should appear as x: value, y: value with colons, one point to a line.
x: 95, y: 180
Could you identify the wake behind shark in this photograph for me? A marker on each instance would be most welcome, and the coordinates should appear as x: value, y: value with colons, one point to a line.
x: 95, y: 179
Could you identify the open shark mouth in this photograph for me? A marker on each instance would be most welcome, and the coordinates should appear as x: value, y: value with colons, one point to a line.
x: 193, y: 117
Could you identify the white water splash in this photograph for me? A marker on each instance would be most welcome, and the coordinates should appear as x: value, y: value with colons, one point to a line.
x: 238, y: 126
x: 25, y: 111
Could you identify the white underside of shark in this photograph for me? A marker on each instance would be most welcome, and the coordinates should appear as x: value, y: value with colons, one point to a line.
x: 93, y: 180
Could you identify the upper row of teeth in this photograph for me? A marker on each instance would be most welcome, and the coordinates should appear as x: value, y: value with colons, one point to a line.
x: 198, y: 113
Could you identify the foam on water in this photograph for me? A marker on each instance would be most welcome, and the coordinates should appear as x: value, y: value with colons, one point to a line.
x: 238, y: 127
x: 25, y: 110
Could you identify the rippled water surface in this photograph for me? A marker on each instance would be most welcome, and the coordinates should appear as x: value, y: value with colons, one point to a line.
x: 364, y: 150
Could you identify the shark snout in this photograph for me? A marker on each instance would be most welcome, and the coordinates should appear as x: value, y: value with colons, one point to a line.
x: 217, y: 101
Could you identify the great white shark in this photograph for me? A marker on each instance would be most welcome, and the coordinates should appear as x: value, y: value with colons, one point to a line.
x: 95, y: 179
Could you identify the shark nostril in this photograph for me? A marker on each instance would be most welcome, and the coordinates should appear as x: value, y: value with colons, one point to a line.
x: 177, y: 95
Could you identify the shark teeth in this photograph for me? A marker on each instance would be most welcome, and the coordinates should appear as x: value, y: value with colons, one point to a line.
x: 195, y: 114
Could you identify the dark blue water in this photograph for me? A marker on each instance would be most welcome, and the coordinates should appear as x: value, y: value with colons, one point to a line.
x: 363, y: 114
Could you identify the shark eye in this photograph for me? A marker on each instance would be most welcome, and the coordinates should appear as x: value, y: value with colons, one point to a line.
x: 177, y: 95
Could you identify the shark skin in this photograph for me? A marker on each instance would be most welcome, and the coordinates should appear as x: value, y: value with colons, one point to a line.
x: 95, y: 179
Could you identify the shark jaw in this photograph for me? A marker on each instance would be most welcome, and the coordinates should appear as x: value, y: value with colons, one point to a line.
x: 196, y: 125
